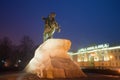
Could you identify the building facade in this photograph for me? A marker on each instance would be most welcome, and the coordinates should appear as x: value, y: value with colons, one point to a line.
x: 100, y: 56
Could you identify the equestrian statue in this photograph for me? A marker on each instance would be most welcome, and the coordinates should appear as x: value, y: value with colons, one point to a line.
x: 50, y: 26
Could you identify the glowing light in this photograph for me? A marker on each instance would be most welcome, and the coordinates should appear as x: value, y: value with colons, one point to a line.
x: 19, y: 60
x: 6, y: 64
x: 16, y: 65
x: 95, y: 49
x: 85, y: 60
x: 119, y: 70
x: 3, y: 61
x: 79, y: 60
x: 93, y: 54
x: 106, y: 58
x: 111, y: 56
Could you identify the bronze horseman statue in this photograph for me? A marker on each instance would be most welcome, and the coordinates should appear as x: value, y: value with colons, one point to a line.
x: 51, y: 59
x: 50, y: 26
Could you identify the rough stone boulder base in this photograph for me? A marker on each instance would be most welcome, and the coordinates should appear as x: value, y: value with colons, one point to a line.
x: 52, y: 61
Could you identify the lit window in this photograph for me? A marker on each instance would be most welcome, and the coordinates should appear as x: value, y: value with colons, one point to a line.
x: 115, y: 51
x: 111, y: 51
x: 119, y: 57
x: 116, y: 64
x: 116, y: 57
x: 119, y: 50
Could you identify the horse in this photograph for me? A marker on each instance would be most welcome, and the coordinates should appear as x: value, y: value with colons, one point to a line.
x: 50, y: 30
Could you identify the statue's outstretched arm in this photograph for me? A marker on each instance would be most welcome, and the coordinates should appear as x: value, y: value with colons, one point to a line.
x: 43, y: 18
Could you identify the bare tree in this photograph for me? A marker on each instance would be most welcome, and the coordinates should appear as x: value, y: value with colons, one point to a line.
x: 26, y: 50
x: 5, y: 50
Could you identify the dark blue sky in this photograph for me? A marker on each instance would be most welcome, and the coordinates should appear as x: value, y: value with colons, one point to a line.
x: 84, y: 22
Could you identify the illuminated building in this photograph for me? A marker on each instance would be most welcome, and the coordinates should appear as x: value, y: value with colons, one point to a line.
x: 100, y: 56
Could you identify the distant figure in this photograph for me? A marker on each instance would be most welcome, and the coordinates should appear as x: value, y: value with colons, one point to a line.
x: 50, y: 26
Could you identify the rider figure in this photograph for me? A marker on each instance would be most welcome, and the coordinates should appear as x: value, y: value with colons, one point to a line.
x: 49, y: 21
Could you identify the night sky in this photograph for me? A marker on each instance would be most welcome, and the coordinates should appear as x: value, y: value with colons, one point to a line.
x: 84, y: 22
